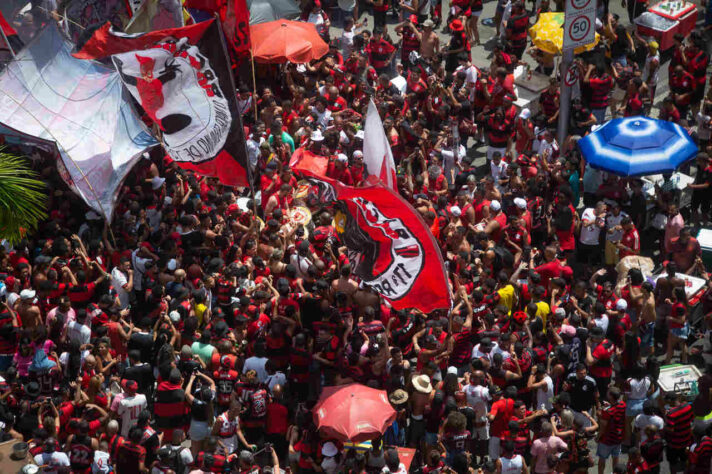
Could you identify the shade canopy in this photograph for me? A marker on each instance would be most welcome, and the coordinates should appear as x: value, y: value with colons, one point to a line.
x: 637, y: 146
x: 262, y: 11
x: 353, y: 412
x: 285, y: 40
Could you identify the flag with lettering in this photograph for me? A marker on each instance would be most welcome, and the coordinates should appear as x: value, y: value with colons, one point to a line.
x: 389, y: 246
x: 181, y: 79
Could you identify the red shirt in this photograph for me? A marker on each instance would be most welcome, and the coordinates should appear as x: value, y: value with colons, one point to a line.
x: 548, y: 271
x: 631, y: 240
x: 502, y: 411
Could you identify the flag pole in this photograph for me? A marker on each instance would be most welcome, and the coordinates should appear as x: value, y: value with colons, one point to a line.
x: 254, y: 83
x: 234, y: 92
x: 7, y: 42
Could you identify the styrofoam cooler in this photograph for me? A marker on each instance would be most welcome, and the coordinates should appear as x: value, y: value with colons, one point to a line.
x: 662, y: 29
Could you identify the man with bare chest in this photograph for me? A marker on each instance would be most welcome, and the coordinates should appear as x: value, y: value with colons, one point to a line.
x: 646, y: 319
x: 429, y: 41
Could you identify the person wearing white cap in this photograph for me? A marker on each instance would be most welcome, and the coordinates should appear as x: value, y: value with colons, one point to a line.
x: 331, y: 462
x: 338, y: 169
x: 524, y: 129
x: 28, y: 310
x: 497, y: 222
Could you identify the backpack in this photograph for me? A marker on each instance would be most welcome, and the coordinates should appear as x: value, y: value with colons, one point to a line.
x: 175, y: 460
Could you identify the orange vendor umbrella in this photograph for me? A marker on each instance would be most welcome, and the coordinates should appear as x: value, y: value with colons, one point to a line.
x: 353, y: 412
x: 285, y: 40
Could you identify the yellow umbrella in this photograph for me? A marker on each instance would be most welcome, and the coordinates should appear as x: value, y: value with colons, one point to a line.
x: 548, y: 34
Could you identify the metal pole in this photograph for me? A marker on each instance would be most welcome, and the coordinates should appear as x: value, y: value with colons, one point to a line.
x: 564, y: 97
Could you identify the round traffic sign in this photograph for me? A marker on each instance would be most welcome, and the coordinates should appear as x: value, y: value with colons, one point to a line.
x: 580, y: 4
x: 579, y: 28
x: 571, y: 76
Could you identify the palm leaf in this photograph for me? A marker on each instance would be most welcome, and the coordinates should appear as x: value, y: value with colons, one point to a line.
x: 22, y: 198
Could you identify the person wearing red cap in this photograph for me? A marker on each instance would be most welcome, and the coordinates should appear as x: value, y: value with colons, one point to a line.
x: 130, y: 406
x: 458, y: 43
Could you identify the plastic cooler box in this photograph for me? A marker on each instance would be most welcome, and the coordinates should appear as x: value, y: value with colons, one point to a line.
x: 704, y: 237
x: 662, y: 29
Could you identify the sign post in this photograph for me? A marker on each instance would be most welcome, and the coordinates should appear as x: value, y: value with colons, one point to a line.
x: 579, y: 30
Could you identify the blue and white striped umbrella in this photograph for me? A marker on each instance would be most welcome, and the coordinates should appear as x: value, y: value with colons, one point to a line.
x: 637, y: 146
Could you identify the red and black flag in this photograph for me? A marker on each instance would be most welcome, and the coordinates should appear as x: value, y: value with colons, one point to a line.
x: 181, y: 78
x: 14, y: 43
x: 235, y: 17
x: 389, y: 246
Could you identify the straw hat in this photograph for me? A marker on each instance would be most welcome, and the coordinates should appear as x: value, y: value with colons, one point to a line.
x: 422, y: 384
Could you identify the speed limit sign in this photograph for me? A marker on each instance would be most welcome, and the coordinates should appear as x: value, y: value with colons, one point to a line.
x: 579, y: 23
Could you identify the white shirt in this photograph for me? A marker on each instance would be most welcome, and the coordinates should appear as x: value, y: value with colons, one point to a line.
x: 477, y: 397
x: 347, y: 43
x: 129, y: 408
x: 101, y: 464
x: 77, y: 332
x: 258, y: 365
x: 613, y: 221
x: 118, y: 280
x: 52, y: 461
x: 703, y: 126
x: 589, y: 233
x: 470, y: 74
x: 498, y: 171
x: 602, y: 322
x: 323, y: 118
x: 278, y: 378
x: 643, y: 420
x: 545, y: 395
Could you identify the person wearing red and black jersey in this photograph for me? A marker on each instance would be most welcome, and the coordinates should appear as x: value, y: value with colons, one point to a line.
x: 682, y: 88
x: 601, y: 84
x: 701, y: 451
x: 678, y: 431
x: 131, y: 456
x: 408, y: 30
x: 611, y: 422
x: 80, y: 449
x: 549, y: 101
x: 517, y: 27
x: 380, y: 52
x: 599, y: 358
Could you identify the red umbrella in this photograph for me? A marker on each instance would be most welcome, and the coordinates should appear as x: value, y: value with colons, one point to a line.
x: 284, y: 40
x: 353, y: 412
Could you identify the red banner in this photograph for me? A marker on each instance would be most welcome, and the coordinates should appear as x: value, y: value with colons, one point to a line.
x: 236, y: 25
x: 304, y: 160
x: 389, y: 246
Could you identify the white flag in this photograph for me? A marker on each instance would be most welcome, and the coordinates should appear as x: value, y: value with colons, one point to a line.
x: 377, y: 156
x: 79, y: 105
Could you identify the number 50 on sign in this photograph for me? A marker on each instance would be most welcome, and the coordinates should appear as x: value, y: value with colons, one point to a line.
x: 579, y: 23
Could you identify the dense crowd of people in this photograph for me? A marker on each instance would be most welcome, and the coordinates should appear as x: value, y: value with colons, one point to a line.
x: 196, y: 331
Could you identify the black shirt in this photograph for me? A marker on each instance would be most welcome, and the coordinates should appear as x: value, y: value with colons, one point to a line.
x: 582, y: 392
x: 142, y: 374
x: 142, y: 342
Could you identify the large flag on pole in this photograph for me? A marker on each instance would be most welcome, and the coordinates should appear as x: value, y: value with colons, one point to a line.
x: 390, y: 247
x: 181, y: 78
x: 154, y: 15
x: 235, y: 17
x: 79, y: 105
x: 377, y: 155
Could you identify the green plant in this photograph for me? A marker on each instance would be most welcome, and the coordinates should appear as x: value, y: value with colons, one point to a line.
x: 23, y: 200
